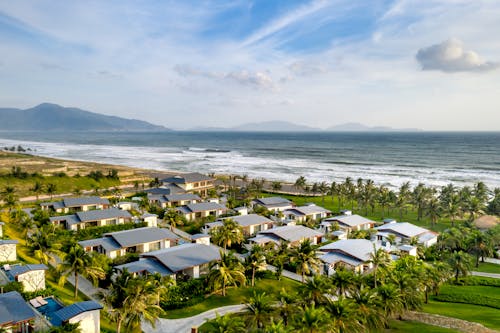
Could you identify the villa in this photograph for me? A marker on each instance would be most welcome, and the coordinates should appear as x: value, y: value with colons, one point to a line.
x: 93, y: 218
x: 8, y: 250
x: 273, y: 204
x: 191, y: 182
x: 294, y: 234
x: 404, y: 232
x: 174, y: 200
x: 201, y: 210
x: 350, y: 253
x: 32, y: 277
x: 81, y: 204
x: 191, y: 259
x: 86, y: 313
x: 251, y: 224
x: 15, y: 314
x: 302, y: 213
x: 140, y: 240
x: 346, y: 223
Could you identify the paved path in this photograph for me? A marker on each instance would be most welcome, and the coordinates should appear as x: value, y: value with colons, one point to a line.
x: 184, y: 325
x: 288, y: 274
x: 492, y: 260
x: 490, y: 275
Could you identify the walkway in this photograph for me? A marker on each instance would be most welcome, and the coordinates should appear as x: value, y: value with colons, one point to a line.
x: 288, y: 274
x: 184, y: 325
x: 483, y: 274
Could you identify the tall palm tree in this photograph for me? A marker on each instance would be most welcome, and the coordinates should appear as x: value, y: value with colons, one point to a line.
x: 421, y: 195
x: 380, y: 259
x: 312, y: 319
x: 300, y: 183
x: 78, y: 262
x: 286, y: 305
x: 403, y: 198
x: 277, y: 327
x: 51, y: 189
x: 433, y: 210
x: 174, y: 218
x: 228, y: 272
x: 37, y: 189
x: 451, y: 207
x: 314, y: 291
x: 344, y: 316
x: 276, y: 185
x: 226, y: 324
x: 255, y: 261
x: 366, y: 300
x: 390, y: 300
x: 259, y: 306
x: 323, y: 189
x: 343, y: 281
x: 460, y: 263
x: 474, y: 207
x: 481, y: 245
x: 42, y: 243
x: 304, y: 256
x: 229, y: 233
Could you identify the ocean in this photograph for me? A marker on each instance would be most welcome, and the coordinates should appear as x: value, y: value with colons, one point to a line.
x: 434, y: 158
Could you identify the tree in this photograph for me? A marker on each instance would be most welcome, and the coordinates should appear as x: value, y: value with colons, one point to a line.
x: 300, y: 183
x: 390, y: 300
x: 229, y: 233
x: 421, y: 195
x: 228, y: 272
x: 451, y: 208
x: 304, y: 256
x: 277, y: 327
x: 51, y: 189
x: 66, y: 328
x: 259, y: 306
x: 433, y: 210
x: 460, y: 263
x: 344, y: 317
x: 78, y: 262
x: 42, y: 243
x: 314, y: 291
x: 403, y: 198
x: 276, y: 185
x: 474, y: 207
x: 37, y: 189
x: 255, y: 261
x: 481, y: 245
x: 342, y: 280
x: 367, y: 300
x: 312, y: 319
x: 226, y: 324
x: 380, y: 259
x: 174, y: 218
x: 9, y: 198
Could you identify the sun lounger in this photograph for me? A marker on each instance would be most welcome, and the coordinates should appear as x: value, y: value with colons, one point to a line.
x: 41, y: 300
x: 35, y: 303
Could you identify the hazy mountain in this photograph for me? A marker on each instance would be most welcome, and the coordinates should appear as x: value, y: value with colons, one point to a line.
x: 357, y: 127
x: 265, y: 126
x: 48, y: 116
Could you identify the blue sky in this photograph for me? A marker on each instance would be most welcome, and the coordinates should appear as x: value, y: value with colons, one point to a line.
x: 403, y: 63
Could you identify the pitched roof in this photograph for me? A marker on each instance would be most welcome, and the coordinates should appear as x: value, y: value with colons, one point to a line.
x: 202, y: 207
x: 308, y: 210
x: 334, y: 257
x: 181, y: 196
x: 292, y: 233
x: 13, y: 308
x: 185, y: 256
x: 273, y: 201
x: 136, y: 236
x: 68, y: 312
x: 187, y: 178
x: 403, y: 228
x: 107, y: 243
x: 81, y: 201
x: 357, y: 248
x: 350, y: 220
x: 16, y: 270
x: 149, y: 265
x: 250, y: 219
x: 96, y: 215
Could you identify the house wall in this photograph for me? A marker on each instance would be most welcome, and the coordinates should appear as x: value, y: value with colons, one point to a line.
x: 204, y: 240
x: 152, y: 221
x: 8, y: 252
x: 193, y: 272
x: 32, y: 281
x: 89, y: 321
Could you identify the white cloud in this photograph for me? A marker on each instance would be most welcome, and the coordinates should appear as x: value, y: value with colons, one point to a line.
x: 450, y: 56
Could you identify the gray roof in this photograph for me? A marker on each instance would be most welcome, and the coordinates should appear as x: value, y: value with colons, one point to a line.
x: 334, y: 257
x: 403, y: 228
x: 185, y: 256
x: 201, y: 207
x: 70, y: 219
x: 107, y: 243
x: 13, y: 308
x: 158, y: 191
x: 136, y: 236
x: 104, y: 214
x: 8, y: 241
x: 273, y: 201
x: 68, y: 312
x: 82, y: 201
x: 16, y: 270
x: 181, y: 196
x: 358, y: 248
x: 149, y: 265
x: 187, y: 178
x: 250, y: 219
x: 198, y: 236
x: 350, y: 220
x: 309, y: 210
x: 292, y: 233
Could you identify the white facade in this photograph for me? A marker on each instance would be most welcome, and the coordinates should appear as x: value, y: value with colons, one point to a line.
x: 90, y: 321
x: 32, y: 280
x: 8, y: 252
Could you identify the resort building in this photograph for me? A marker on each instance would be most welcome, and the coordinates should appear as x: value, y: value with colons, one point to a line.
x: 201, y: 210
x: 293, y: 234
x: 8, y: 250
x: 191, y: 259
x: 32, y: 277
x: 191, y: 182
x: 250, y: 224
x: 174, y: 200
x: 303, y: 213
x: 86, y: 313
x: 273, y: 204
x: 127, y: 205
x: 140, y: 240
x: 346, y: 223
x: 93, y: 218
x: 80, y: 204
x: 15, y: 314
x: 404, y: 232
x: 151, y: 220
x: 349, y: 253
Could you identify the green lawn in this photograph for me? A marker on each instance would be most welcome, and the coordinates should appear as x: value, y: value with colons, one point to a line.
x: 487, y: 267
x: 234, y: 296
x: 489, y: 317
x: 401, y: 326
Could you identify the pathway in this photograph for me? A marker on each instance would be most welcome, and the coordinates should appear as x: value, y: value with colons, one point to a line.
x: 184, y: 325
x: 483, y: 274
x: 288, y: 274
x: 492, y: 260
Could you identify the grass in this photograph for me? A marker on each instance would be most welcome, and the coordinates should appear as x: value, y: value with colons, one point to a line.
x: 403, y: 326
x: 487, y: 267
x: 489, y: 317
x: 234, y: 296
x: 478, y: 295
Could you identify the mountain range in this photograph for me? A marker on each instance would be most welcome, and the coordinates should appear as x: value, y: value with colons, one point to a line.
x: 53, y: 117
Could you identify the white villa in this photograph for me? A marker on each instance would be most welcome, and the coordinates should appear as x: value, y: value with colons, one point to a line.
x: 174, y: 200
x: 251, y: 224
x: 294, y: 234
x: 302, y: 213
x: 80, y: 204
x: 346, y: 223
x: 191, y: 182
x: 8, y: 250
x: 273, y: 204
x: 32, y: 277
x: 93, y: 218
x: 405, y: 231
x: 201, y: 210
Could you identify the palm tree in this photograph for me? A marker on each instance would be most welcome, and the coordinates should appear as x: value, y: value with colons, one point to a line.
x: 78, y: 262
x: 380, y: 259
x: 286, y: 305
x: 37, y: 189
x: 342, y: 280
x: 228, y: 272
x: 174, y: 218
x: 9, y: 198
x: 323, y: 189
x: 304, y: 256
x: 367, y: 300
x: 51, y: 189
x: 315, y: 290
x: 312, y: 319
x: 451, y: 208
x: 421, y: 195
x: 255, y: 261
x: 42, y: 243
x: 481, y: 245
x: 277, y: 327
x: 460, y: 263
x: 474, y: 207
x: 342, y: 311
x: 433, y: 208
x: 229, y: 233
x: 226, y: 324
x: 300, y: 183
x: 390, y: 300
x: 276, y: 185
x: 259, y: 306
x: 403, y: 198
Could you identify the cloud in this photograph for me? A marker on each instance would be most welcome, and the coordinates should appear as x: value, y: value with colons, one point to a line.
x: 259, y: 79
x: 304, y: 68
x: 450, y: 56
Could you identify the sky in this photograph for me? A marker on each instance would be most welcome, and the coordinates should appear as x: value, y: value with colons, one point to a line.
x: 432, y: 64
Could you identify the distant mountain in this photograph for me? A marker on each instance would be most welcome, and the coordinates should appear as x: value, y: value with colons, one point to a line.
x: 357, y: 127
x: 266, y: 126
x: 48, y: 116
